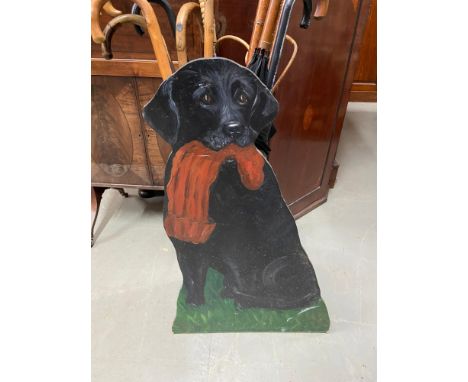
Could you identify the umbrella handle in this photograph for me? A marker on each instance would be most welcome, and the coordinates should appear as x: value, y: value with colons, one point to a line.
x: 110, y: 9
x: 262, y: 9
x: 209, y: 27
x: 112, y: 27
x: 181, y: 30
x: 321, y: 11
x: 167, y: 8
x: 306, y: 12
x: 157, y: 40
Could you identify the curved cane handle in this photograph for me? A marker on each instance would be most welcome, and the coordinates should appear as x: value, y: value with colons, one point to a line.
x: 112, y: 27
x: 181, y: 30
x: 164, y: 4
x: 157, y: 40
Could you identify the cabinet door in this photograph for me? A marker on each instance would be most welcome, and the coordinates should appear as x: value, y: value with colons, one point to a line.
x: 118, y: 155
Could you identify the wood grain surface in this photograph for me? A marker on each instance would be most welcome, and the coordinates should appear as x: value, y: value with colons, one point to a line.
x: 117, y: 150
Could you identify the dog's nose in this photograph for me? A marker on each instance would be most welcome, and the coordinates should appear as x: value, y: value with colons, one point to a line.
x: 233, y: 128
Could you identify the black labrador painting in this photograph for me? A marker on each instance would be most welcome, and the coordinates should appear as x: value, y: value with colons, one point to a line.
x: 223, y: 208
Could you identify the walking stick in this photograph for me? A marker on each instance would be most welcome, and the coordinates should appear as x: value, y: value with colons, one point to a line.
x: 262, y: 9
x: 112, y: 27
x: 209, y: 27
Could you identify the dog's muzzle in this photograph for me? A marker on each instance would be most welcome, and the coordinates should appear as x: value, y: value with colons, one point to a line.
x: 229, y: 132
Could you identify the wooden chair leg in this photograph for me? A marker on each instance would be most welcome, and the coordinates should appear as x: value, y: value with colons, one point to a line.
x: 96, y: 196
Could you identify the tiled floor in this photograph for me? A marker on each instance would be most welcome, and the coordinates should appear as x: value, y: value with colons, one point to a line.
x: 136, y: 280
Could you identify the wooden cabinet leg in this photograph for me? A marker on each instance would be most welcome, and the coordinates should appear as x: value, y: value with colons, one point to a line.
x: 96, y: 196
x: 334, y: 172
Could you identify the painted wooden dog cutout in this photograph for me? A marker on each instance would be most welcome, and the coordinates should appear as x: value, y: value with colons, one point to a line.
x: 223, y: 207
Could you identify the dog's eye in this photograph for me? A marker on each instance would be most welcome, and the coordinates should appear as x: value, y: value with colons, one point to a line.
x: 241, y: 97
x: 206, y: 99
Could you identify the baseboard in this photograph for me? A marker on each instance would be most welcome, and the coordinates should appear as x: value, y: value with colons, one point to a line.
x: 363, y: 92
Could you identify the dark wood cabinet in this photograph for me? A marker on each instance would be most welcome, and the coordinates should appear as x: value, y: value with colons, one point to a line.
x: 313, y: 99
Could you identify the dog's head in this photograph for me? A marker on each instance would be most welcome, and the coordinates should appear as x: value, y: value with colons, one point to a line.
x: 215, y: 101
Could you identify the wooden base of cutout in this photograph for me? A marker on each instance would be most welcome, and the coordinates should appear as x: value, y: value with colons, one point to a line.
x: 220, y: 315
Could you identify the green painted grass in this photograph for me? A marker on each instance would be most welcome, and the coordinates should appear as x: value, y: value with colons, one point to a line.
x: 221, y: 315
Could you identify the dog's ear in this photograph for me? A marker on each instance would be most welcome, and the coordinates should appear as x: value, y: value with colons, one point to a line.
x: 161, y: 113
x: 265, y: 108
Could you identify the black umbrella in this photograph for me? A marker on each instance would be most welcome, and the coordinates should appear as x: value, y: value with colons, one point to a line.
x: 167, y: 8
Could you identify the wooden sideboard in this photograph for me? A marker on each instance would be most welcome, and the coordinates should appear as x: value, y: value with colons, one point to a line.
x: 313, y: 99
